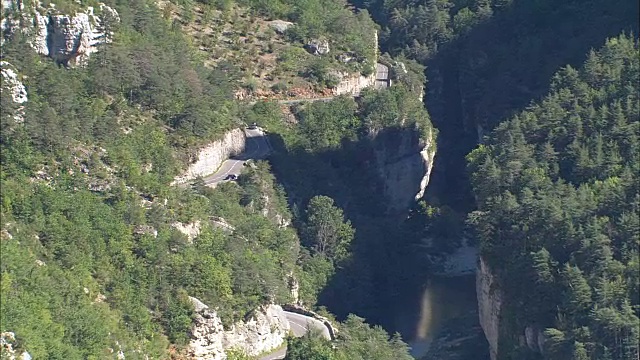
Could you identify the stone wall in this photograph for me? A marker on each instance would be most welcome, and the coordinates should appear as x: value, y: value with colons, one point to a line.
x: 213, y: 155
x: 265, y: 330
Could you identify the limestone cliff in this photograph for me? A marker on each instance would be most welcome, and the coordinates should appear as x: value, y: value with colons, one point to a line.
x: 69, y: 39
x: 353, y: 84
x: 266, y: 329
x: 491, y: 302
x: 12, y: 84
x: 490, y: 299
x: 403, y: 161
x: 213, y: 155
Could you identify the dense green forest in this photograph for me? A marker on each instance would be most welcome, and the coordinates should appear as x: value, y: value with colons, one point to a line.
x: 558, y: 210
x: 91, y: 260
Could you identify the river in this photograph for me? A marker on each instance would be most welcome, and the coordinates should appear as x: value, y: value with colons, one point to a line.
x: 444, y: 315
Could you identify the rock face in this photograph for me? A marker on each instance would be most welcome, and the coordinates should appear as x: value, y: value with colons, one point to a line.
x: 191, y: 230
x: 12, y: 84
x: 213, y: 155
x: 68, y: 39
x: 280, y: 26
x: 534, y: 338
x: 6, y: 347
x: 353, y: 84
x: 490, y: 299
x: 404, y: 162
x: 264, y: 330
x: 318, y: 46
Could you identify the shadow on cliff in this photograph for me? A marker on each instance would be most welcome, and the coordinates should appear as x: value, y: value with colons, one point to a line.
x: 502, y: 65
x: 383, y: 264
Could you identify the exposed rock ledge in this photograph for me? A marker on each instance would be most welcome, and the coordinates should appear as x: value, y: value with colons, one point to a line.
x: 69, y: 39
x: 489, y: 305
x: 11, y: 83
x: 265, y: 330
x: 404, y: 163
x: 213, y: 155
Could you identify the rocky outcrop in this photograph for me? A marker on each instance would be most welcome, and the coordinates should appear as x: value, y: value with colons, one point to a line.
x: 264, y: 330
x: 404, y: 162
x: 12, y: 84
x: 145, y: 230
x: 490, y: 300
x: 318, y: 46
x: 190, y: 230
x: 353, y: 84
x: 213, y: 155
x: 280, y: 26
x: 6, y: 347
x: 69, y: 39
x: 534, y: 339
x: 221, y: 223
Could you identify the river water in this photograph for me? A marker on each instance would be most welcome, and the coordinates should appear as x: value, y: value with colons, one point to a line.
x: 444, y: 308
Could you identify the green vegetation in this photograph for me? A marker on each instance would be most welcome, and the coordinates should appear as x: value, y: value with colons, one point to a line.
x: 92, y: 261
x: 240, y: 33
x: 356, y: 340
x: 558, y: 197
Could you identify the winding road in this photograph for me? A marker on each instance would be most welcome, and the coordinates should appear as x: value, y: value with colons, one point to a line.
x: 256, y: 147
x: 299, y: 325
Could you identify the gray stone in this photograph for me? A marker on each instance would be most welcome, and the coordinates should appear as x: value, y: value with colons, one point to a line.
x: 145, y: 229
x: 264, y: 330
x: 318, y: 46
x: 280, y: 26
x: 69, y: 39
x: 489, y: 306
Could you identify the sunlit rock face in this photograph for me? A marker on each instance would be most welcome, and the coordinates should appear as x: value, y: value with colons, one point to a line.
x: 265, y: 330
x: 69, y: 39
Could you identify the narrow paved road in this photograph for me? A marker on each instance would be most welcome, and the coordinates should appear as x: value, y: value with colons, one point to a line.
x: 299, y: 326
x: 256, y: 147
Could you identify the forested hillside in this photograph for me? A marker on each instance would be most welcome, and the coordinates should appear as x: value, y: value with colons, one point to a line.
x: 94, y: 263
x: 558, y: 210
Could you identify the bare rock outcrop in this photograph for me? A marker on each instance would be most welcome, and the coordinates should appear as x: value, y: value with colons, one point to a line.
x: 280, y: 26
x: 190, y: 230
x: 264, y: 330
x: 318, y: 46
x: 11, y: 81
x: 213, y: 155
x: 353, y: 84
x: 490, y: 300
x: 403, y: 162
x: 69, y: 39
x: 12, y: 84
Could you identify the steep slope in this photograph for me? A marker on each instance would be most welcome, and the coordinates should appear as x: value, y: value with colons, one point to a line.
x: 101, y: 256
x: 557, y: 190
